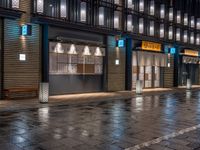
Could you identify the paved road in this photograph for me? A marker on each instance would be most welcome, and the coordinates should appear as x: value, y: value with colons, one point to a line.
x: 155, y: 122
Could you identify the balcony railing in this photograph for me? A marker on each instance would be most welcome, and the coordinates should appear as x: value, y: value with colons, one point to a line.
x: 10, y: 4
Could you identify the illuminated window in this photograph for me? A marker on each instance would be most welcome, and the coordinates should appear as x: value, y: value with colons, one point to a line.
x: 116, y: 19
x: 40, y: 6
x: 130, y: 4
x: 192, y: 38
x: 141, y: 25
x: 198, y: 39
x: 15, y: 3
x: 162, y: 11
x: 151, y: 28
x: 152, y: 7
x: 178, y: 17
x: 63, y: 8
x: 171, y: 14
x: 185, y: 21
x: 101, y: 16
x: 178, y: 34
x: 141, y: 6
x: 198, y: 23
x: 185, y: 36
x: 170, y: 34
x: 129, y: 23
x: 192, y: 22
x: 162, y: 31
x: 83, y: 12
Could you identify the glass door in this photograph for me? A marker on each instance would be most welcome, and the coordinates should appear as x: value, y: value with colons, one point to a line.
x: 148, y: 77
x: 156, y: 77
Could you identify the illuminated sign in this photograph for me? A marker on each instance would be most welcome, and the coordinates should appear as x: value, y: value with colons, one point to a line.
x: 172, y: 50
x: 22, y: 57
x: 151, y: 46
x: 191, y: 52
x: 120, y: 43
x: 26, y: 30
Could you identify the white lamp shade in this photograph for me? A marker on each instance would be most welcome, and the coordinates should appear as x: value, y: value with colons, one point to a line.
x: 72, y: 50
x: 86, y: 51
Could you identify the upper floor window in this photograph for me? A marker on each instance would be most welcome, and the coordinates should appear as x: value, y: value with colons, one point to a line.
x: 129, y: 23
x: 170, y: 33
x: 192, y: 22
x: 10, y: 3
x: 141, y: 5
x: 178, y: 16
x: 63, y: 9
x: 171, y: 14
x: 15, y: 4
x: 83, y: 12
x: 151, y: 28
x: 198, y: 39
x: 162, y: 30
x: 141, y: 25
x: 178, y: 34
x: 117, y: 20
x: 130, y: 4
x: 101, y: 16
x: 185, y: 21
x: 162, y: 11
x: 39, y: 6
x: 152, y: 7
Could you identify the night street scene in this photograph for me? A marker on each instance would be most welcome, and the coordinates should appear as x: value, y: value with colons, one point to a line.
x: 99, y: 74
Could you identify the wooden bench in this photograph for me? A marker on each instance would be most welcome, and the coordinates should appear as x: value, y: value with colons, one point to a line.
x: 8, y: 92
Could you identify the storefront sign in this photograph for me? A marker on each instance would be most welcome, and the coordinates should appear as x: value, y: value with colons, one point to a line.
x: 191, y: 53
x: 26, y: 30
x: 172, y: 50
x: 151, y: 46
x: 120, y: 43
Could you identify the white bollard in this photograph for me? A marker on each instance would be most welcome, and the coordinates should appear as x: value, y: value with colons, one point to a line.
x: 189, y: 84
x: 44, y: 93
x: 138, y: 87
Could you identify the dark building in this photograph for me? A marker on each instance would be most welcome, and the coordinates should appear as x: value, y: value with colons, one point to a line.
x: 77, y: 46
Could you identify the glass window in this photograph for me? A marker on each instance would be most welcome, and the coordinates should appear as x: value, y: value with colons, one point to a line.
x: 178, y: 16
x: 185, y: 21
x: 192, y: 22
x: 141, y: 25
x: 178, y: 34
x: 198, y: 23
x: 162, y: 11
x: 192, y: 38
x: 152, y: 7
x: 129, y: 23
x: 52, y: 8
x: 171, y: 14
x: 101, y: 16
x: 40, y: 6
x: 141, y: 5
x: 198, y: 39
x: 130, y: 4
x: 63, y: 9
x: 83, y: 12
x: 170, y: 33
x: 162, y: 31
x: 15, y: 3
x: 185, y: 36
x: 151, y: 28
x: 117, y: 20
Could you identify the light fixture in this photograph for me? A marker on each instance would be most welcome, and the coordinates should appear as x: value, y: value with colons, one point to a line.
x: 86, y: 51
x: 98, y: 52
x: 22, y: 57
x: 59, y: 48
x: 72, y: 50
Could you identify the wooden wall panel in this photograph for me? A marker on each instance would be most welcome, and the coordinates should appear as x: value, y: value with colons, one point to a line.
x: 17, y: 73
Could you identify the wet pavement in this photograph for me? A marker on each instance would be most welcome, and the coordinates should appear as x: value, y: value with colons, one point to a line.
x: 153, y: 122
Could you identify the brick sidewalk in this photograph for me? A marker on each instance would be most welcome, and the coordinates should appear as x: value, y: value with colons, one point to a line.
x: 16, y: 105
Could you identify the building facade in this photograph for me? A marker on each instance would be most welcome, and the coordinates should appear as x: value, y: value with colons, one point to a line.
x: 83, y: 46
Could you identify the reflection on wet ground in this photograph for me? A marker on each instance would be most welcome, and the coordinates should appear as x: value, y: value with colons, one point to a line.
x: 105, y: 125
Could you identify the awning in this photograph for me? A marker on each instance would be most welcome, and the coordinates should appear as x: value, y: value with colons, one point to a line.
x: 150, y: 59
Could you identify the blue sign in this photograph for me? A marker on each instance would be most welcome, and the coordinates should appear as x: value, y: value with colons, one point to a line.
x: 26, y: 30
x: 120, y: 43
x: 172, y: 50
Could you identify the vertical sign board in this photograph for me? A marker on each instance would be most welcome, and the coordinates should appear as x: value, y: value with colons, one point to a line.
x: 26, y: 30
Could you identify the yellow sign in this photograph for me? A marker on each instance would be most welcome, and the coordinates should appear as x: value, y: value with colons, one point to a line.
x: 151, y: 46
x: 191, y: 52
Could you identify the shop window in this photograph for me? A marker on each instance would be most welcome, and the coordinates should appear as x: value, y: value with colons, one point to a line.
x: 185, y: 36
x: 15, y: 4
x: 198, y: 23
x: 178, y: 34
x: 130, y: 4
x: 192, y: 22
x: 162, y: 11
x: 141, y: 25
x: 178, y: 16
x: 192, y: 38
x: 171, y: 14
x: 39, y: 6
x: 71, y: 59
x: 83, y: 12
x: 151, y: 28
x: 129, y: 23
x: 198, y: 39
x: 141, y: 5
x: 162, y: 31
x: 152, y: 8
x: 170, y: 33
x: 185, y: 21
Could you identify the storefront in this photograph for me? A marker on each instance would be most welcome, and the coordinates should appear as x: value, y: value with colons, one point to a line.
x: 148, y: 62
x: 189, y: 67
x: 76, y: 65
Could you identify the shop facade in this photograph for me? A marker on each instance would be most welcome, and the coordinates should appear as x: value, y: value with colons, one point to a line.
x: 189, y: 64
x: 148, y: 63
